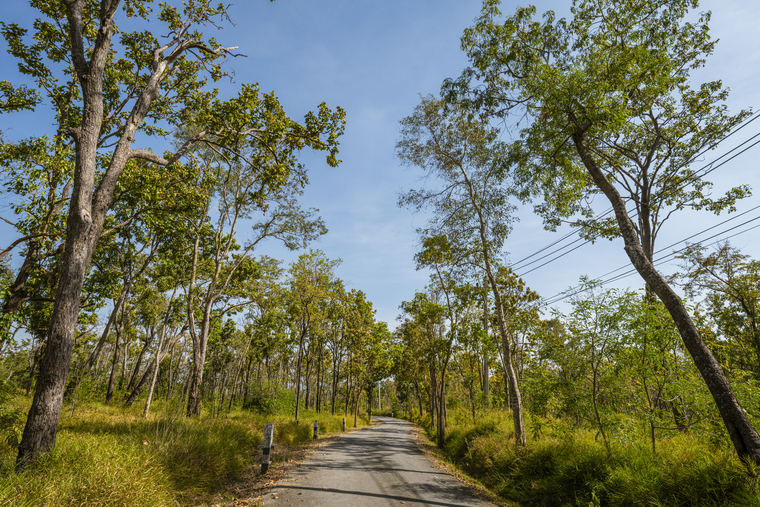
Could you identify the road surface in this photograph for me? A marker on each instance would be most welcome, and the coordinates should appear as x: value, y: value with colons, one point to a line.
x: 377, y: 466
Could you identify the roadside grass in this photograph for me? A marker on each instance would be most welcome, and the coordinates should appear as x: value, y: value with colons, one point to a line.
x: 112, y: 456
x: 565, y: 465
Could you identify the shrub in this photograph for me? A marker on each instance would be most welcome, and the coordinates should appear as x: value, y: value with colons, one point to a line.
x: 567, y: 465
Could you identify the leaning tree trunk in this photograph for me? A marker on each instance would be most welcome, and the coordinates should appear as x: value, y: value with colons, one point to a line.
x: 114, y: 364
x: 196, y: 378
x: 35, y: 361
x: 138, y: 363
x: 515, y: 397
x: 74, y: 382
x: 156, y: 368
x: 743, y: 435
x: 151, y: 372
x: 42, y: 422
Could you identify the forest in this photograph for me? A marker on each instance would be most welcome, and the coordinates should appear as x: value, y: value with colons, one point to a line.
x: 146, y: 334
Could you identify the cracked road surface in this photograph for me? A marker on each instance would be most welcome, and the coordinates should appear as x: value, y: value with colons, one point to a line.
x: 378, y: 466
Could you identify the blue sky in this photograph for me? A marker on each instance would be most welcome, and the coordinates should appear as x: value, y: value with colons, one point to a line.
x: 374, y: 59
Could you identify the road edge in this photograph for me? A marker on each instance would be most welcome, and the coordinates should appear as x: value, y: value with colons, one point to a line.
x: 440, y: 460
x: 249, y: 490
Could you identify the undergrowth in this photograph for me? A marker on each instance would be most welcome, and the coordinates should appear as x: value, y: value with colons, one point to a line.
x: 564, y: 465
x: 111, y: 456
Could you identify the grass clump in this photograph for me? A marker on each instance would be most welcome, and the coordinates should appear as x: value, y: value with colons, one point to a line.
x: 89, y: 470
x: 111, y: 456
x: 566, y: 465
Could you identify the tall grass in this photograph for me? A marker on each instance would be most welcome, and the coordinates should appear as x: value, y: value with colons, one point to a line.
x: 565, y: 465
x: 110, y: 456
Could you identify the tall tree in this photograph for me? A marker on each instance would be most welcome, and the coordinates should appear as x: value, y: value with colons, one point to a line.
x: 605, y: 106
x: 240, y: 190
x: 312, y: 278
x: 151, y: 86
x: 425, y: 333
x: 471, y: 209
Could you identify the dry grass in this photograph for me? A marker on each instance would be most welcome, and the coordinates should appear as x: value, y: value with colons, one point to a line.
x: 110, y: 456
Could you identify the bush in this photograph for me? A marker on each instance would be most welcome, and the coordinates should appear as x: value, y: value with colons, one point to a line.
x: 567, y: 465
x: 269, y: 399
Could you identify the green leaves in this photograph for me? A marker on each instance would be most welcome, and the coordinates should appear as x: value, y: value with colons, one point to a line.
x: 616, y: 73
x: 467, y: 189
x: 730, y: 282
x: 16, y: 98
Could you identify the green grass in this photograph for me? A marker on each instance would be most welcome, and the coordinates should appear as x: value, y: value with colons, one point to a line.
x: 564, y: 465
x: 110, y: 456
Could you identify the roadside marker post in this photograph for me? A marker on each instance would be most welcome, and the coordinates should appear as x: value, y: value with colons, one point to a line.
x: 266, y: 447
x: 316, y: 426
x: 344, y: 424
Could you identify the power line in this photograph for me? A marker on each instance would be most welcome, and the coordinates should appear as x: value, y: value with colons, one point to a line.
x: 707, y: 170
x: 559, y: 256
x: 670, y: 246
x: 563, y: 238
x: 565, y: 294
x: 632, y: 272
x: 552, y: 253
x: 730, y: 159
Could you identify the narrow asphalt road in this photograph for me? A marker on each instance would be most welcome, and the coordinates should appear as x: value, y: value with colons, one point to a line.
x: 377, y: 466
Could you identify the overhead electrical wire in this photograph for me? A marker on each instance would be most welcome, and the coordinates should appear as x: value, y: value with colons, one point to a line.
x: 630, y: 272
x: 573, y: 290
x: 706, y: 170
x: 563, y: 238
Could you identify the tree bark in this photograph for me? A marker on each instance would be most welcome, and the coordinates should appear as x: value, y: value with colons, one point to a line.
x: 87, y: 212
x: 743, y: 435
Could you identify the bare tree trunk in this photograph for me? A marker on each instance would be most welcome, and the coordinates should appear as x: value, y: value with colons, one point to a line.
x: 348, y: 383
x: 334, y: 394
x: 486, y: 372
x: 509, y: 372
x: 237, y: 374
x: 318, y: 397
x: 152, y: 368
x: 357, y: 395
x: 124, y: 359
x: 171, y: 375
x: 247, y: 382
x: 33, y: 363
x: 114, y: 364
x: 138, y: 363
x: 472, y: 400
x: 156, y: 367
x: 298, y: 367
x: 74, y: 382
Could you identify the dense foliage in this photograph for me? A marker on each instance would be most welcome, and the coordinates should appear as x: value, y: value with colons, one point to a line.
x: 141, y: 278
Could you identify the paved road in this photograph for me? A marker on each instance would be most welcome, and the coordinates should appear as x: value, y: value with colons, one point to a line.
x: 377, y: 466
